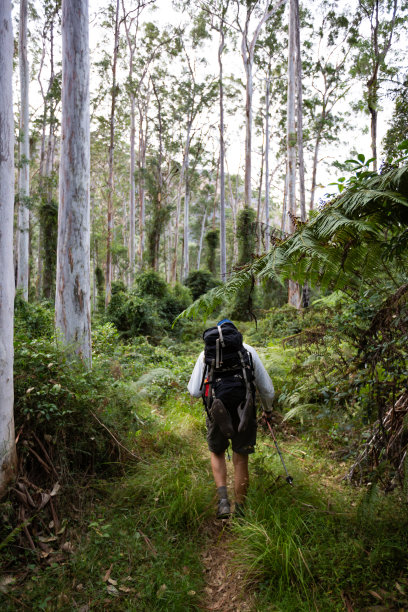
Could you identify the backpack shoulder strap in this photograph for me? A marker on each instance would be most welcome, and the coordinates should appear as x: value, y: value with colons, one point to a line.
x: 204, y: 374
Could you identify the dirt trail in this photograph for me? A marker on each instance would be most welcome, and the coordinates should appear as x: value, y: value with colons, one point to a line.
x: 225, y: 588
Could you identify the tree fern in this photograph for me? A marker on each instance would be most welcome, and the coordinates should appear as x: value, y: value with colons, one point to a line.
x: 351, y: 241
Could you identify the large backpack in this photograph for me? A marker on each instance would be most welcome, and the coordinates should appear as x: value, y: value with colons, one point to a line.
x: 227, y: 363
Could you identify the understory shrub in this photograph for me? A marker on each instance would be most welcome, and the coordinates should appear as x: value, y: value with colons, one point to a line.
x: 199, y: 282
x: 55, y: 398
x: 35, y: 320
x: 148, y: 309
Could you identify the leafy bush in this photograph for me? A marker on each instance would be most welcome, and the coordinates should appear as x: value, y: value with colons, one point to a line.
x: 151, y: 283
x: 34, y: 319
x: 56, y: 399
x: 132, y: 314
x: 176, y: 300
x: 199, y: 282
x: 149, y: 308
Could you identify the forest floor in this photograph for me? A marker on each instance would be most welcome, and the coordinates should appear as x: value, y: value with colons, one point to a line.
x: 225, y: 588
x: 145, y: 539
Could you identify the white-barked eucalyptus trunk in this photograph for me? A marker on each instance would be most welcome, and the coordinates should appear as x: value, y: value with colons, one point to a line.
x: 223, y: 248
x: 291, y: 141
x: 248, y: 54
x: 24, y: 169
x: 267, y: 164
x: 72, y: 304
x: 7, y: 439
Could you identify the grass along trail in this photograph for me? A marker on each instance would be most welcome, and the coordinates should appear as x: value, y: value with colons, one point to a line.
x: 146, y: 539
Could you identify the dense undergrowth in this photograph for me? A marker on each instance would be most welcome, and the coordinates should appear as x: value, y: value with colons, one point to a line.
x: 124, y: 528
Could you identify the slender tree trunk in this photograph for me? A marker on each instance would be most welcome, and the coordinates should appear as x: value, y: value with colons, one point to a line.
x: 186, y: 263
x: 72, y: 307
x: 293, y: 295
x: 160, y: 186
x: 132, y: 202
x: 267, y: 164
x: 291, y: 136
x: 248, y: 54
x: 94, y: 253
x: 299, y: 97
x: 8, y: 458
x: 248, y: 135
x: 302, y: 192
x: 178, y: 204
x: 143, y: 132
x: 217, y: 176
x: 258, y: 208
x: 24, y: 170
x: 108, y: 273
x: 176, y: 236
x: 234, y: 206
x: 261, y: 171
x: 186, y: 260
x: 200, y: 244
x: 314, y: 170
x: 223, y: 248
x: 48, y: 211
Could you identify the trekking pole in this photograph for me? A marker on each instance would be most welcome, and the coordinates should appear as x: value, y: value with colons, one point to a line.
x: 289, y: 478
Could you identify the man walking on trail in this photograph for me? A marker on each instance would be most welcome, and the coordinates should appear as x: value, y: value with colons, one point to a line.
x: 225, y: 376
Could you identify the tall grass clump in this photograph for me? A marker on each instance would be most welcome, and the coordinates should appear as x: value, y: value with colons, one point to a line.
x: 305, y: 550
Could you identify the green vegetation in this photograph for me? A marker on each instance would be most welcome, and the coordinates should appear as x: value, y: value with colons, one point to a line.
x: 114, y: 500
x: 136, y: 496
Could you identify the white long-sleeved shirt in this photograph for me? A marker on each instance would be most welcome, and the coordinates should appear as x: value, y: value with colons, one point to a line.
x: 263, y: 381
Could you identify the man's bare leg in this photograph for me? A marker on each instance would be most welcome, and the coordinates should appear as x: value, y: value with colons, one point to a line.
x: 241, y: 476
x: 219, y: 469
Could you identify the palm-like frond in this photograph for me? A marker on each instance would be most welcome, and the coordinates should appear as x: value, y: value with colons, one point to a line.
x: 347, y: 243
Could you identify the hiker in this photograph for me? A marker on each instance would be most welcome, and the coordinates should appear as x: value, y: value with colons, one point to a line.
x: 225, y: 376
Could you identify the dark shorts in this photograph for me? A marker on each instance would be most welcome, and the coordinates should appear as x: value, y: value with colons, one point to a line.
x: 242, y: 443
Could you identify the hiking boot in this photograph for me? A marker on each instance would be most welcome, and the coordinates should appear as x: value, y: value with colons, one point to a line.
x: 222, y: 418
x: 224, y: 509
x: 245, y: 412
x: 239, y: 510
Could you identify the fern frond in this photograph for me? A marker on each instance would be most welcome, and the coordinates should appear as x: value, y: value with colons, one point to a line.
x: 350, y: 241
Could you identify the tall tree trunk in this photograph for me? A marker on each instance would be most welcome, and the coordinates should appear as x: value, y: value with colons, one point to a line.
x: 248, y: 54
x: 217, y: 176
x: 261, y: 173
x: 248, y: 135
x: 108, y: 272
x: 72, y: 307
x: 141, y: 170
x: 159, y: 204
x: 293, y: 294
x: 267, y: 164
x: 302, y: 192
x: 178, y: 203
x: 314, y: 170
x: 49, y: 210
x: 8, y: 458
x: 234, y: 211
x: 132, y: 201
x: 200, y: 244
x: 223, y: 248
x: 299, y: 97
x: 291, y: 136
x: 24, y: 169
x: 186, y: 259
x: 134, y: 26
